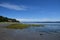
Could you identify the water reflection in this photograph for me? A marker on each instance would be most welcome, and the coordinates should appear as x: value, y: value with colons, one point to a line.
x: 46, y: 28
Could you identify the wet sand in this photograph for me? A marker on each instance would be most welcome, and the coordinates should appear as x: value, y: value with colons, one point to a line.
x: 4, y: 25
x: 17, y: 34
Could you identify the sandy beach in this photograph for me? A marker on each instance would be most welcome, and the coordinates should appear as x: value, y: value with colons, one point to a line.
x: 17, y: 34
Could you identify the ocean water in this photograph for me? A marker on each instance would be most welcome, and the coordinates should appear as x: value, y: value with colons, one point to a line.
x: 48, y: 27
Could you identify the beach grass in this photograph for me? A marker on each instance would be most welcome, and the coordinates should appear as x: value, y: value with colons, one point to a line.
x: 22, y: 26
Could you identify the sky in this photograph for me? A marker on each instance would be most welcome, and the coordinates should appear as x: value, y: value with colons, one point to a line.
x: 31, y: 10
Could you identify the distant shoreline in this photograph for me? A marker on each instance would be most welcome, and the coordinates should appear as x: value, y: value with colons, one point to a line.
x: 41, y: 22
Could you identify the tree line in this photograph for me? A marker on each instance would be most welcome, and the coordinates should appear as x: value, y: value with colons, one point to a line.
x: 6, y: 19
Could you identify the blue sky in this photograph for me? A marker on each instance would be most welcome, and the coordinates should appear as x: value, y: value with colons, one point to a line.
x: 31, y: 10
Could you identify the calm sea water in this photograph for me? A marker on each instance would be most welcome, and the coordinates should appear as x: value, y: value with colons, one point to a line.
x: 48, y: 27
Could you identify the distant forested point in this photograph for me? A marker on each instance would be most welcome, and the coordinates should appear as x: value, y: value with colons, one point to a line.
x: 6, y: 19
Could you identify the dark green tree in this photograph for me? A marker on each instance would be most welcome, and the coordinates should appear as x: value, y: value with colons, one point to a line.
x: 5, y: 19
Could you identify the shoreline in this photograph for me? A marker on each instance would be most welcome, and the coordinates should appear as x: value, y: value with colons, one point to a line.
x: 21, y: 34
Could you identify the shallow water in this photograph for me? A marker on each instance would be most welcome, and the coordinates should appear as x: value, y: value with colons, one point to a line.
x: 48, y: 27
x: 51, y: 31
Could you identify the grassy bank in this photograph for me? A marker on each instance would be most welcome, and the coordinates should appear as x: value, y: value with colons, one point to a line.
x: 21, y: 26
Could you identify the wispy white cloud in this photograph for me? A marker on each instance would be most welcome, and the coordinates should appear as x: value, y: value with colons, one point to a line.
x: 12, y: 6
x: 42, y: 19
